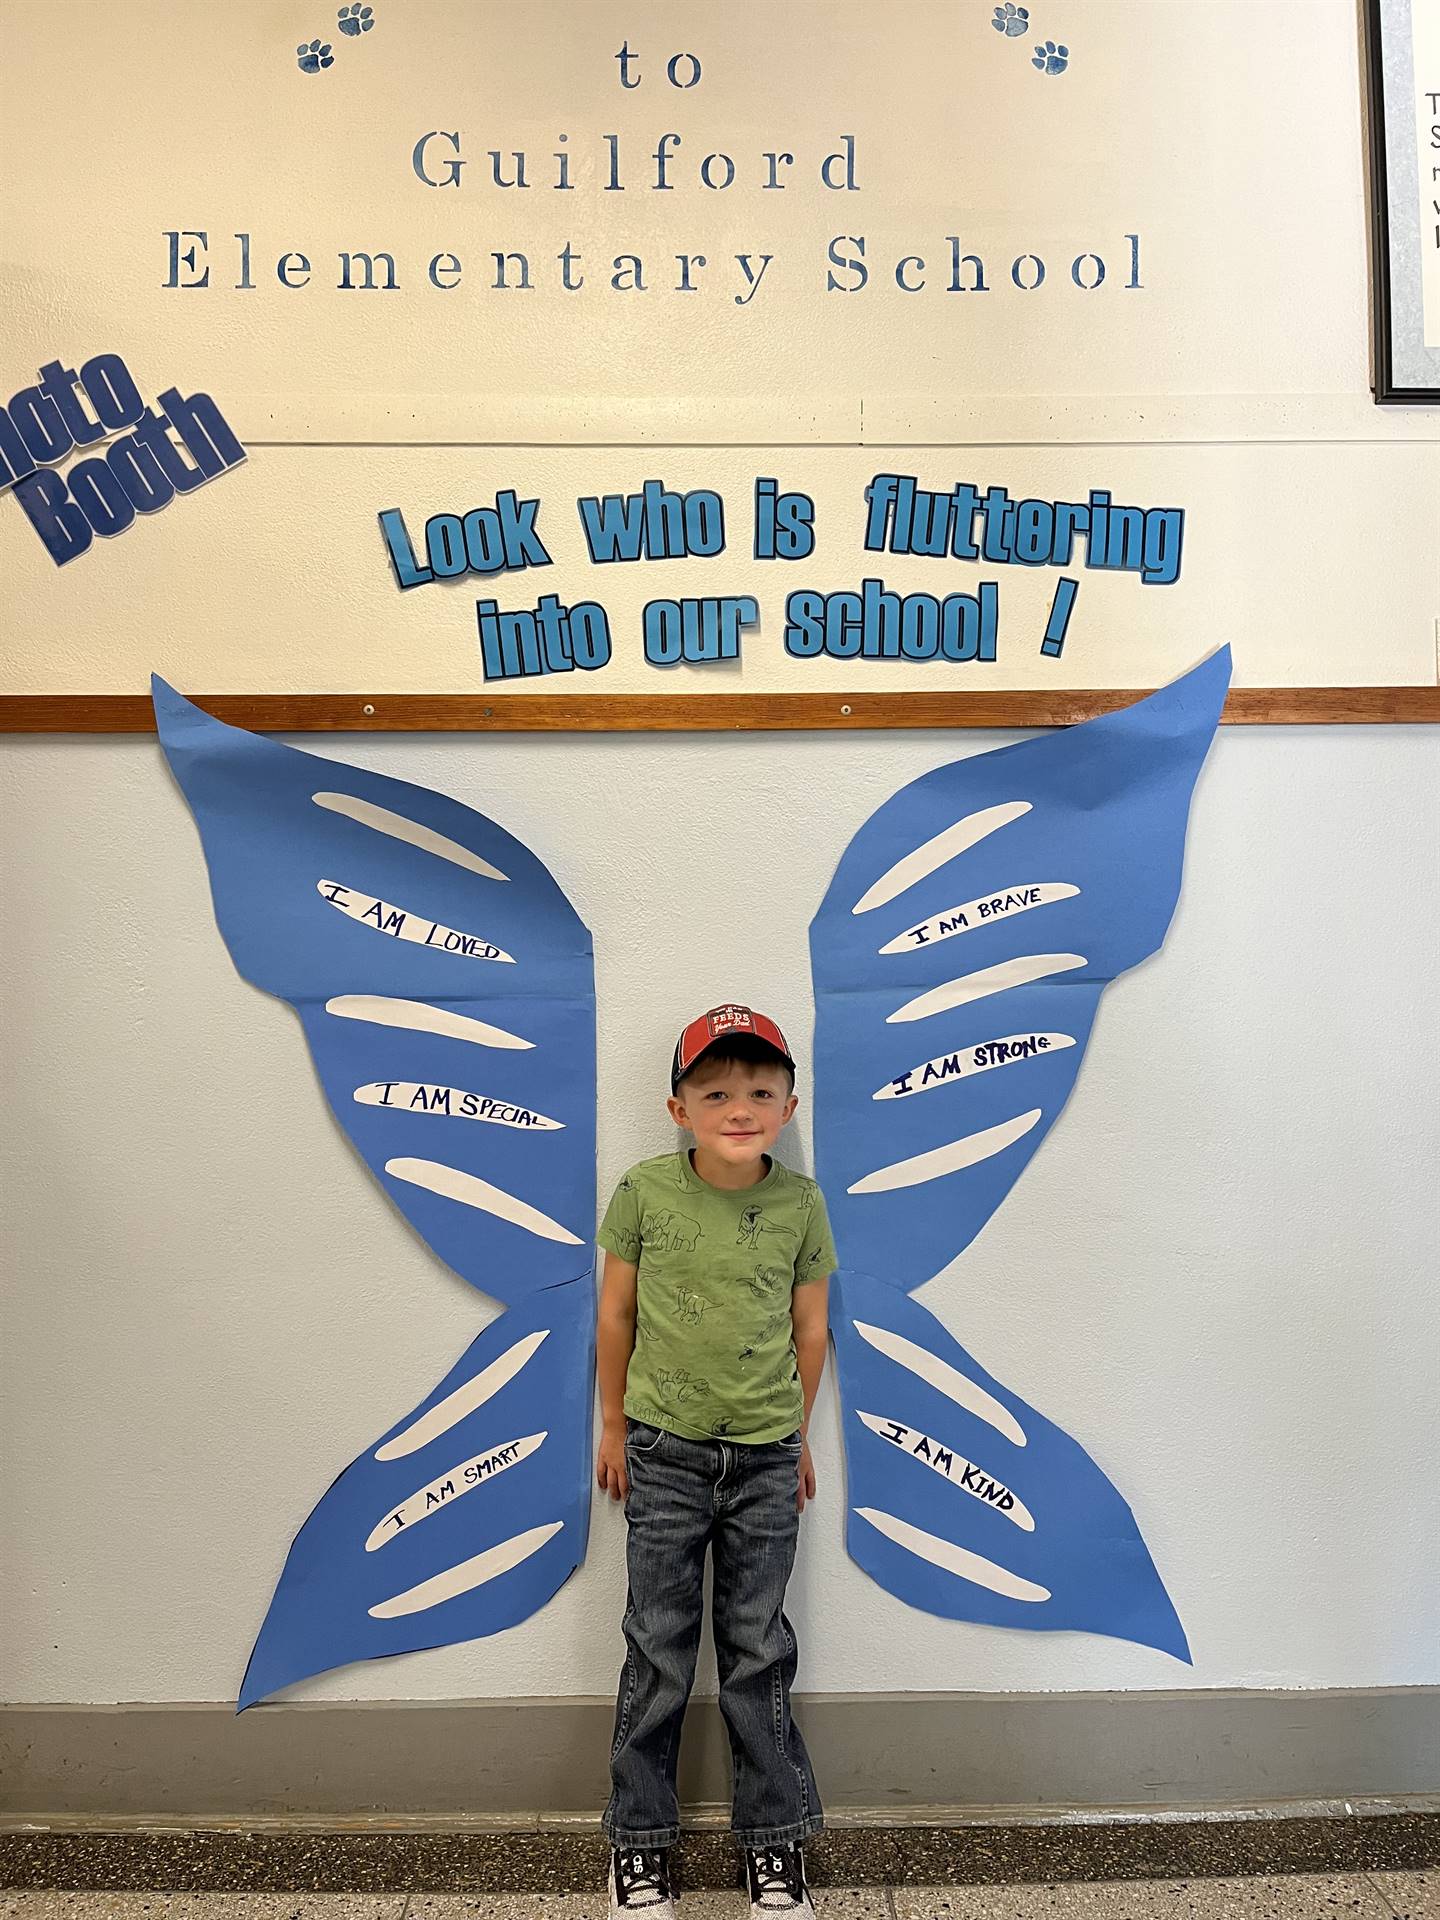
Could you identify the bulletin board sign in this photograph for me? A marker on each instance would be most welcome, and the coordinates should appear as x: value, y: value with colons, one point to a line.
x: 663, y: 365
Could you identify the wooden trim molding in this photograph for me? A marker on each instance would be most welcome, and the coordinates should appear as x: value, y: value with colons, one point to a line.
x: 698, y: 712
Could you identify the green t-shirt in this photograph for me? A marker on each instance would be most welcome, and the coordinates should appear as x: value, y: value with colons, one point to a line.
x: 714, y: 1352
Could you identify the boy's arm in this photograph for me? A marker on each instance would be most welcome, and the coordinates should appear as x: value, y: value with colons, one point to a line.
x: 809, y: 1320
x: 614, y: 1344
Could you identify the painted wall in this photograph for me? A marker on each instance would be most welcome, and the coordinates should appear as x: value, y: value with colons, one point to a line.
x: 1219, y: 1273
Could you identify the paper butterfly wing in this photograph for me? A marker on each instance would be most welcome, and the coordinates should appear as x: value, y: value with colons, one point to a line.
x: 445, y: 984
x: 445, y: 987
x: 460, y: 1521
x: 977, y: 1507
x: 959, y: 956
x: 960, y: 953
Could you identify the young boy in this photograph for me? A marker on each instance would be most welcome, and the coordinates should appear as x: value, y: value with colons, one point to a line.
x: 711, y: 1343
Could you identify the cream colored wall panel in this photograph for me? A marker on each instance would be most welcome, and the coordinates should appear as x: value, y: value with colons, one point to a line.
x: 1317, y: 563
x: 1225, y: 138
x: 999, y: 419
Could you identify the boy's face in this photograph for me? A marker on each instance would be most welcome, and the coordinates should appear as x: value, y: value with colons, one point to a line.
x: 735, y: 1109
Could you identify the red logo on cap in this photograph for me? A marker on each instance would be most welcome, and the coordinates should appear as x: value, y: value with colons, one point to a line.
x: 730, y: 1020
x: 720, y: 1021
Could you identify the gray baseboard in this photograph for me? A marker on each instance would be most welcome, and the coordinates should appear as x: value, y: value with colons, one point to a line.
x: 880, y: 1757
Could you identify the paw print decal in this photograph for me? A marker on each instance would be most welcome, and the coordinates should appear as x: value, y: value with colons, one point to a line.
x: 1011, y: 20
x: 311, y: 58
x: 1049, y: 58
x: 356, y: 19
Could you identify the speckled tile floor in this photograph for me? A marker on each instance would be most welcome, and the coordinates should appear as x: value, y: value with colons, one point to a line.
x: 1308, y: 1852
x: 1377, y: 1896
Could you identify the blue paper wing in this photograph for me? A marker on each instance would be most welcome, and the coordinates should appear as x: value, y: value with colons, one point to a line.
x: 964, y: 1501
x: 445, y: 986
x: 958, y: 957
x: 986, y: 906
x: 462, y: 1520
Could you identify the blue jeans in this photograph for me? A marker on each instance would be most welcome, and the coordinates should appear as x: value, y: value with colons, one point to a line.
x: 685, y: 1496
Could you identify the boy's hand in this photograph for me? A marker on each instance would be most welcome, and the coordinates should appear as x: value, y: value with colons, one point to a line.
x: 805, y: 1486
x: 610, y: 1463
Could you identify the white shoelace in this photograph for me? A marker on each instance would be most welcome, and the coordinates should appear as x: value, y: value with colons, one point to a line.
x: 779, y: 1881
x: 640, y: 1873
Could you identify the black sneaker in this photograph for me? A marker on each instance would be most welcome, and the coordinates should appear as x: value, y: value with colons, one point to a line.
x: 640, y: 1883
x: 775, y: 1877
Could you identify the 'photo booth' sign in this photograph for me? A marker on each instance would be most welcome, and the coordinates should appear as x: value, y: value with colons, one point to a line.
x: 160, y: 454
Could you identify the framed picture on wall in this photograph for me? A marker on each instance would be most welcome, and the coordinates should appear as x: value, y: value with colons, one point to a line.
x: 1403, y: 66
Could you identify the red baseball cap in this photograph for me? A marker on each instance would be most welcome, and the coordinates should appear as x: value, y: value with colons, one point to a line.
x: 720, y: 1023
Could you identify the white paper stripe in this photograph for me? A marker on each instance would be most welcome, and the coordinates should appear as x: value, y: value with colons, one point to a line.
x: 946, y: 1379
x: 471, y: 1191
x: 367, y: 814
x: 944, y: 1554
x: 446, y: 1488
x: 403, y: 923
x: 986, y: 910
x: 954, y: 840
x: 1010, y: 1049
x: 418, y: 1016
x: 1018, y: 972
x: 460, y: 1404
x: 951, y: 1158
x: 453, y: 1103
x: 967, y: 1475
x: 468, y: 1575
